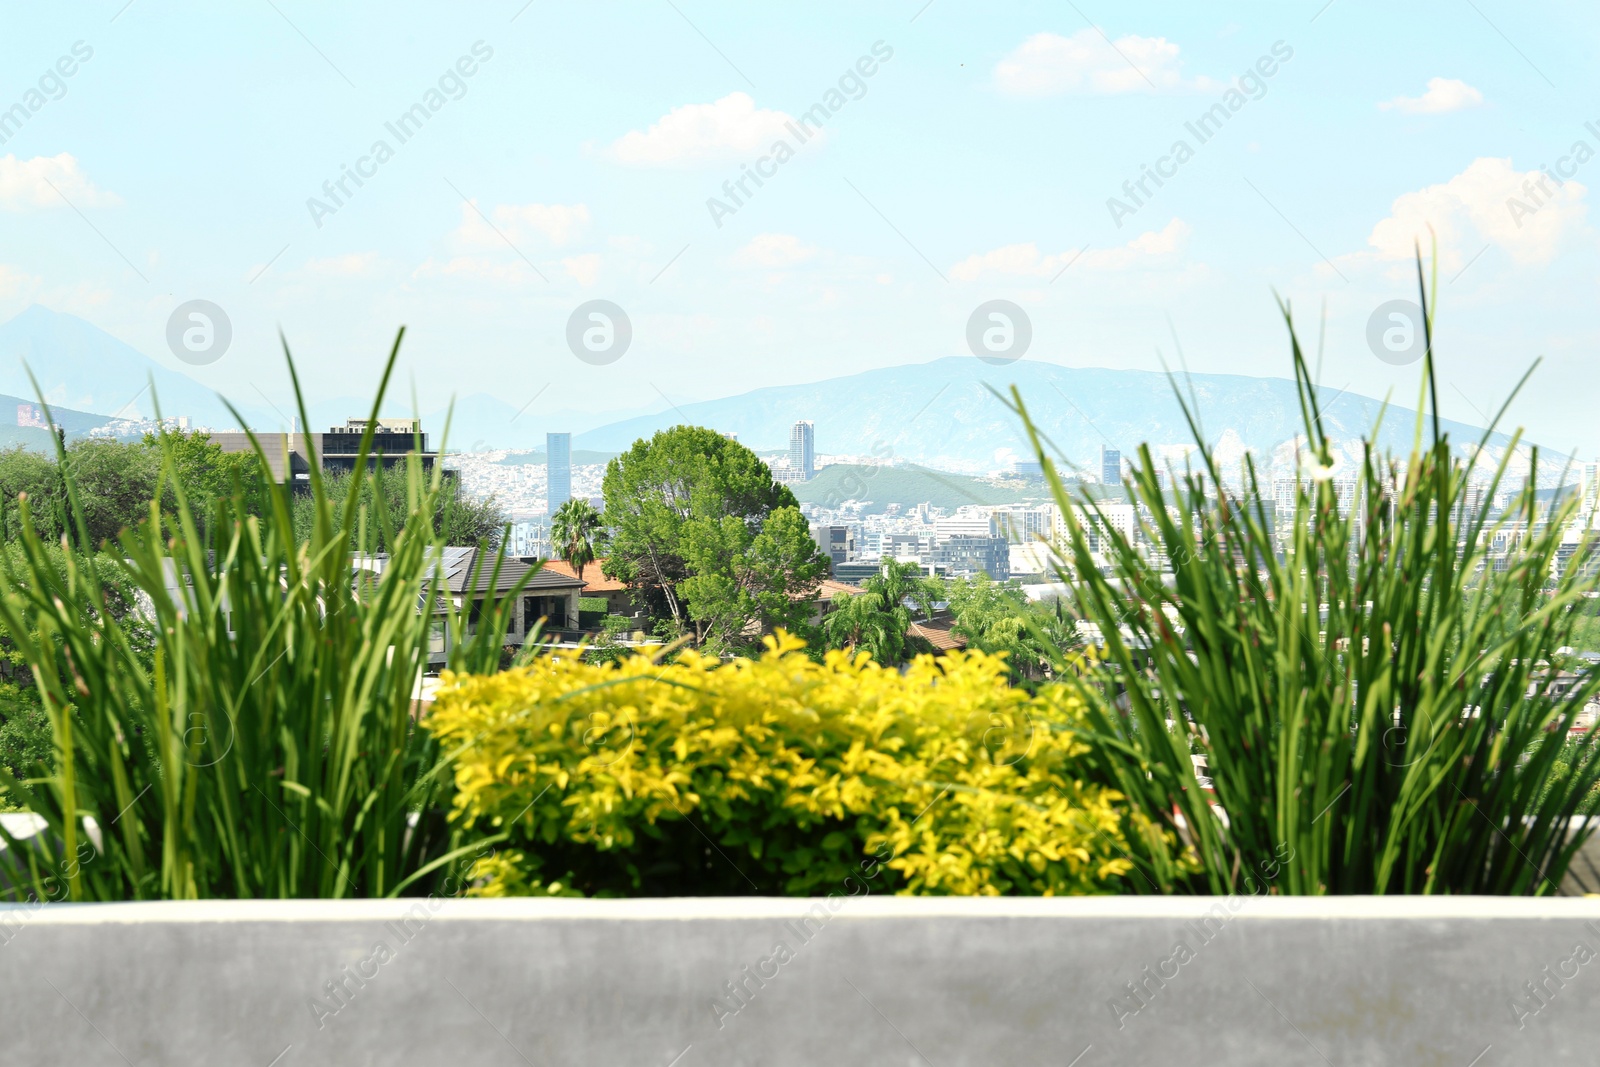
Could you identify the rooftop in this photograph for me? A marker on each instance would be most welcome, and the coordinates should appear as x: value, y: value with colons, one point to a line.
x: 594, y: 578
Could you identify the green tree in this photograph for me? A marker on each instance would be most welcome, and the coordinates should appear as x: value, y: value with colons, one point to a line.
x: 573, y: 531
x: 208, y: 474
x: 876, y: 619
x: 707, y: 539
x: 26, y: 742
x: 36, y: 475
x: 116, y: 480
x: 459, y: 518
x: 1000, y: 618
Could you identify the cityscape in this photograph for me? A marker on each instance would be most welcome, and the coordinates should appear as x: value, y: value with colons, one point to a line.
x: 699, y: 534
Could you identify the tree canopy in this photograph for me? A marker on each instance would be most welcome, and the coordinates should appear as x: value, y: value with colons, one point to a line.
x: 459, y: 518
x: 116, y: 480
x: 876, y: 619
x: 707, y: 539
x: 1000, y: 618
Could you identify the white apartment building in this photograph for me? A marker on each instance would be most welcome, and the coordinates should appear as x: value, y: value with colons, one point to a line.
x: 970, y: 520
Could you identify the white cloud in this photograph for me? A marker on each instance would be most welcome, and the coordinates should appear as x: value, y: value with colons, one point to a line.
x: 1025, y: 260
x: 1489, y: 202
x: 475, y: 269
x: 584, y: 269
x: 733, y: 128
x: 773, y: 250
x: 554, y: 223
x: 34, y: 183
x: 1444, y: 94
x: 1047, y: 64
x: 14, y: 282
x: 350, y: 265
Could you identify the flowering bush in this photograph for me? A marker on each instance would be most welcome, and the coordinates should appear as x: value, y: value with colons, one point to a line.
x: 776, y: 775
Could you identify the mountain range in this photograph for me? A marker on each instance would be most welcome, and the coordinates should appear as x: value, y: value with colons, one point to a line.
x: 947, y: 414
x: 953, y: 414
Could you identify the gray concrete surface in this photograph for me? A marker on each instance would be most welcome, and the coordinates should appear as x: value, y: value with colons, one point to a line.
x: 876, y: 980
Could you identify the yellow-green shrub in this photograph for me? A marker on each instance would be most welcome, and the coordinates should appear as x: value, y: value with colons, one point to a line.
x: 776, y: 775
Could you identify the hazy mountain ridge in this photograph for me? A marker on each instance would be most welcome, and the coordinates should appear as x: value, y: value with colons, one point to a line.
x: 946, y: 415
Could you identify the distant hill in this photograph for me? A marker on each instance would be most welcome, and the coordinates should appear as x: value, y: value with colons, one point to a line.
x: 909, y: 486
x: 943, y: 414
x: 80, y: 366
x: 37, y: 438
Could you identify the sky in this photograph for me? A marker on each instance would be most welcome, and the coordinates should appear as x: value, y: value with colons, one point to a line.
x: 560, y: 154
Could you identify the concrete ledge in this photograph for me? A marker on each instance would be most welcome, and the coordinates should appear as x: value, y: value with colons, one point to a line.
x: 1461, y: 982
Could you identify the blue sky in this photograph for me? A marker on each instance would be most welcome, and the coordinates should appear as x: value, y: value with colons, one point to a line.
x: 576, y: 162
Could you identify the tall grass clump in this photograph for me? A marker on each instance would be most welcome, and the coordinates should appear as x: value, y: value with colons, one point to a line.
x: 251, y: 732
x: 1373, y: 703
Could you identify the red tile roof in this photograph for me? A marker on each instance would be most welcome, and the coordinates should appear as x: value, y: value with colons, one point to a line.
x: 829, y: 588
x: 938, y: 633
x: 594, y: 580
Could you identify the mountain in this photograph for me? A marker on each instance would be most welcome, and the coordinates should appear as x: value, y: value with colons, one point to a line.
x: 19, y: 420
x: 78, y: 365
x: 81, y: 366
x: 943, y: 415
x: 940, y: 415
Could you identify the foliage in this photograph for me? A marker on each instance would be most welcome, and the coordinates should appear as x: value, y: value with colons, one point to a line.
x: 25, y: 739
x: 207, y: 474
x: 115, y: 481
x: 265, y: 746
x: 1372, y: 701
x: 1576, y: 753
x: 876, y: 619
x: 608, y: 644
x: 26, y: 742
x: 573, y: 530
x: 778, y: 775
x: 23, y: 472
x: 457, y: 517
x: 707, y: 538
x: 1001, y: 618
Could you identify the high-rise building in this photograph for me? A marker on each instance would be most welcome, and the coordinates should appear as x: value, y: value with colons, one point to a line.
x: 838, y: 543
x: 558, y: 470
x: 970, y: 520
x: 971, y: 555
x: 1019, y: 524
x: 1110, y: 466
x: 803, y: 450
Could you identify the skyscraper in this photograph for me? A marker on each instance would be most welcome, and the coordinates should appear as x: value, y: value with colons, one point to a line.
x: 558, y: 470
x: 803, y: 450
x: 1110, y: 466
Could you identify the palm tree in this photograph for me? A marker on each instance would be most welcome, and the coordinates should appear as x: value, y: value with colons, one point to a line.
x: 572, y: 534
x: 876, y: 619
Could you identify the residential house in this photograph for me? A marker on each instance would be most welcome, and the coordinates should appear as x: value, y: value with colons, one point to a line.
x: 471, y: 581
x: 822, y: 599
x: 618, y: 598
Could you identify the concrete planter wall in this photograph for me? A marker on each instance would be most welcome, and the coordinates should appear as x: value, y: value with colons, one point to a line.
x: 1463, y: 982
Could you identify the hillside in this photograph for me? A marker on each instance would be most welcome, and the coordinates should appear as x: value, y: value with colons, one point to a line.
x: 37, y: 438
x: 908, y: 486
x: 78, y: 365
